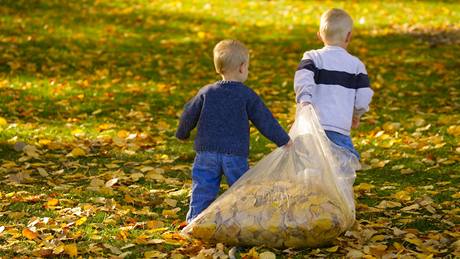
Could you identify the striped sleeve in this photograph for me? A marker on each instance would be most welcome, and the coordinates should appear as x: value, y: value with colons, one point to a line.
x: 304, y: 80
x: 364, y: 92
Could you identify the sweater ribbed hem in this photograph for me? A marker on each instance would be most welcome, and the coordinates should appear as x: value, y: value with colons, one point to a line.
x: 228, y: 151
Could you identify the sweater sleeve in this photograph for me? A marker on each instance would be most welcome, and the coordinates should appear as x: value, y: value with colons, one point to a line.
x: 190, y: 117
x: 304, y: 79
x: 363, y: 93
x: 264, y: 121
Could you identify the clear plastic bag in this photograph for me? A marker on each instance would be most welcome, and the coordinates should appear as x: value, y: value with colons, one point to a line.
x: 300, y: 196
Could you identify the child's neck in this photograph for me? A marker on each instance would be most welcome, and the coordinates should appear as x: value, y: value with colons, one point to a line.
x: 343, y: 45
x: 231, y: 78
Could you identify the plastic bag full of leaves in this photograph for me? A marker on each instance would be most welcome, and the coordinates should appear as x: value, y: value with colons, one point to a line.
x: 300, y: 196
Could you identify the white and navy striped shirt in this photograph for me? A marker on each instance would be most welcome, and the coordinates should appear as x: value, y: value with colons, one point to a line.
x: 336, y: 83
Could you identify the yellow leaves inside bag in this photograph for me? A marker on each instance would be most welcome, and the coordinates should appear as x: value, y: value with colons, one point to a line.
x: 289, y: 217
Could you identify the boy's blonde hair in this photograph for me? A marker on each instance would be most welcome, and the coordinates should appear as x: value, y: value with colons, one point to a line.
x: 335, y: 25
x: 229, y: 55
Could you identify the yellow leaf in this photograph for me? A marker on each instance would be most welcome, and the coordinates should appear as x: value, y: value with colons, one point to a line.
x: 3, y: 122
x: 454, y: 130
x: 123, y: 134
x: 71, y: 250
x: 122, y: 235
x: 398, y: 246
x: 77, y: 152
x: 155, y: 224
x: 154, y: 254
x: 332, y: 249
x: 411, y: 207
x: 81, y: 221
x: 378, y: 238
x: 78, y: 132
x: 267, y: 255
x: 29, y: 233
x: 402, y: 195
x: 105, y: 126
x: 170, y: 213
x: 52, y: 202
x: 251, y: 254
x: 31, y: 151
x: 58, y: 249
x: 170, y: 202
x: 111, y: 182
x: 388, y: 204
x: 363, y: 187
x: 414, y: 241
x: 391, y: 126
x: 456, y: 196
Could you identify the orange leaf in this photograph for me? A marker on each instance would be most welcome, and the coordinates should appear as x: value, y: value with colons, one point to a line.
x: 52, y: 202
x: 29, y: 233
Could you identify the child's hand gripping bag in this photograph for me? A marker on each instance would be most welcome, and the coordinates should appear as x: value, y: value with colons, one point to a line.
x: 300, y: 196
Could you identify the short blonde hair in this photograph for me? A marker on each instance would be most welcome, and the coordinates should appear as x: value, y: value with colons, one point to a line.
x: 335, y: 25
x: 229, y: 55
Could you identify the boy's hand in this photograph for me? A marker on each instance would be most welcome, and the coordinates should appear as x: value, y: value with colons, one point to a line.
x: 355, y: 122
x: 288, y: 145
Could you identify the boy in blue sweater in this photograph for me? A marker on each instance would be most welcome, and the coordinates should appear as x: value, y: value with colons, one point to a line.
x: 222, y: 112
x: 334, y: 81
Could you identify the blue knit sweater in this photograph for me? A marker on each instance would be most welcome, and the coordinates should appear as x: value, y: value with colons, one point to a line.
x: 222, y: 112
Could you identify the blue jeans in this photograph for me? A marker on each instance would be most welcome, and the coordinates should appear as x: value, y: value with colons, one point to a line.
x: 207, y: 173
x: 343, y: 141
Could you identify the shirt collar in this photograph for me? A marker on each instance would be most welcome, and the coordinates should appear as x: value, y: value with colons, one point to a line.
x: 330, y: 47
x: 227, y: 82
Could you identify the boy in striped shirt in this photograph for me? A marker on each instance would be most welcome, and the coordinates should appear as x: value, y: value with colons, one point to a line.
x: 334, y: 81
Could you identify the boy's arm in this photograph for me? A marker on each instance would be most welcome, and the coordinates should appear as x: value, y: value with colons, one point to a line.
x: 189, y: 117
x: 304, y: 80
x: 264, y: 121
x: 364, y: 92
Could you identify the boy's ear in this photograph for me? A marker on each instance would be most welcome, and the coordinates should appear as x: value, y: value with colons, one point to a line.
x: 318, y: 35
x: 348, y: 38
x: 241, y: 69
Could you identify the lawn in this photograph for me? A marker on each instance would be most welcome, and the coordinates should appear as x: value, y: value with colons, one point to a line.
x: 91, y: 92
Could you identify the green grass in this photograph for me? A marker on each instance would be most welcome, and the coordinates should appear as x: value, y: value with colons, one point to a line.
x: 81, y: 73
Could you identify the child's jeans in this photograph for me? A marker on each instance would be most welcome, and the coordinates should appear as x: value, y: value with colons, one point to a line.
x: 206, y: 175
x: 343, y: 141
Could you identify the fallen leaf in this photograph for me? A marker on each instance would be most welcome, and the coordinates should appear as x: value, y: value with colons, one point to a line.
x: 111, y: 182
x: 52, y: 202
x: 154, y: 254
x: 29, y: 233
x: 411, y: 207
x: 77, y: 152
x: 71, y: 250
x: 81, y: 221
x: 31, y: 151
x: 388, y: 204
x: 170, y: 202
x: 3, y: 122
x: 267, y: 255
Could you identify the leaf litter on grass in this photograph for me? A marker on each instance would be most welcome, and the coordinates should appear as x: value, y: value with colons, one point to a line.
x: 91, y: 94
